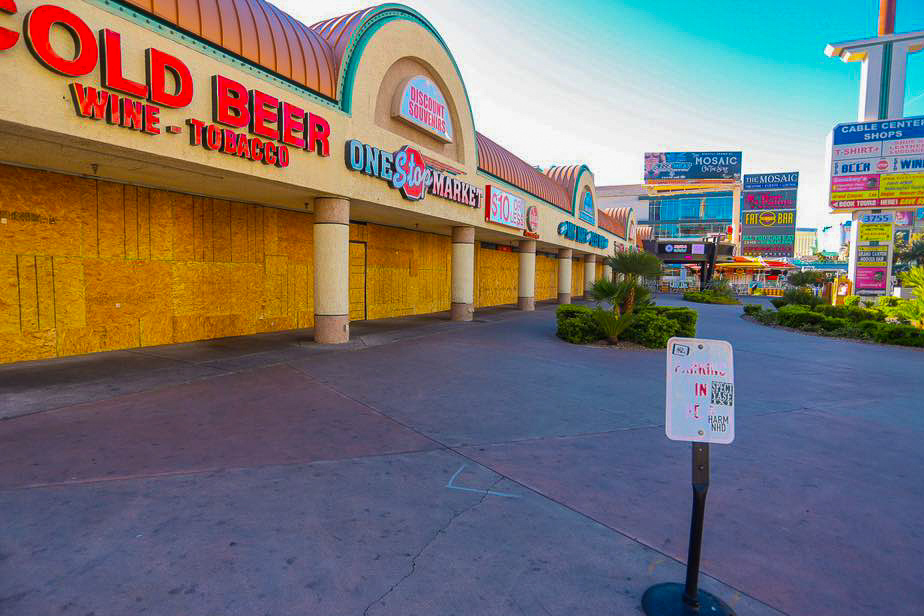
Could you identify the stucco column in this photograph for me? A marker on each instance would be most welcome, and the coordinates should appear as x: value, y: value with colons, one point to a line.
x: 564, y: 276
x: 607, y: 272
x: 463, y: 273
x: 526, y: 295
x: 590, y: 273
x: 331, y: 270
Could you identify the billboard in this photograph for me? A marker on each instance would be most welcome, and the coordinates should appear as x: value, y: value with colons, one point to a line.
x: 877, y: 164
x: 692, y: 166
x: 768, y: 214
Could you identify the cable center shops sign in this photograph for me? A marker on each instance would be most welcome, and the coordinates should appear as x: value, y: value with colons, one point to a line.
x: 877, y: 164
x: 768, y: 214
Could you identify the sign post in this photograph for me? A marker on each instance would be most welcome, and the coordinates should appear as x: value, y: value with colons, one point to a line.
x: 700, y: 409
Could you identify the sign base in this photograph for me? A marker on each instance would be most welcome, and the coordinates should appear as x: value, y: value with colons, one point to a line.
x: 667, y: 600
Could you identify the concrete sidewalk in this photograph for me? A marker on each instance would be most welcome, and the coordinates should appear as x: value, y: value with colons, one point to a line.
x: 484, y: 468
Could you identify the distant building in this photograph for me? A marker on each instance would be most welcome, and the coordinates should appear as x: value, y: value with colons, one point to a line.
x: 834, y: 238
x: 806, y: 242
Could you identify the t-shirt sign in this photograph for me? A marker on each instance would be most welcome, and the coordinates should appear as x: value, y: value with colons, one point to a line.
x: 700, y: 391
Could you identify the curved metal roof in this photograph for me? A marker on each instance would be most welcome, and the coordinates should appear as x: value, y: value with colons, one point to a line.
x: 258, y: 32
x: 567, y: 176
x: 615, y: 220
x: 338, y: 31
x: 502, y: 164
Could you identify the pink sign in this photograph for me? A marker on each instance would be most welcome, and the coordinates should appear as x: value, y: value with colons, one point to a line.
x: 504, y: 208
x: 871, y: 278
x: 855, y: 183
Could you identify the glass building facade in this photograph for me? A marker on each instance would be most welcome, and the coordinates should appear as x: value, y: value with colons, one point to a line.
x: 689, y: 216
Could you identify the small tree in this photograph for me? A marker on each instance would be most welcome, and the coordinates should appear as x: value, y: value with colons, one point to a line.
x: 914, y: 254
x: 633, y: 266
x: 804, y: 279
x: 615, y: 320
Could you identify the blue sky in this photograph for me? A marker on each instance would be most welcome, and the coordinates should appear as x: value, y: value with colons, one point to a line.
x: 603, y: 82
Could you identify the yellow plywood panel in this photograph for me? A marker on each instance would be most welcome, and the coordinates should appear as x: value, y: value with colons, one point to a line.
x: 497, y: 277
x: 598, y: 269
x: 144, y: 222
x: 357, y: 232
x: 184, y: 228
x: 111, y: 210
x: 9, y: 295
x: 28, y: 294
x: 40, y: 212
x: 161, y: 224
x: 44, y: 285
x: 27, y: 346
x: 241, y: 249
x: 221, y: 231
x: 275, y: 286
x: 69, y: 295
x: 357, y: 281
x: 130, y: 200
x: 577, y: 278
x: 546, y: 277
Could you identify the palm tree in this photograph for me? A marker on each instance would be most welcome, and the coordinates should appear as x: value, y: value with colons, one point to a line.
x: 633, y: 266
x: 914, y: 253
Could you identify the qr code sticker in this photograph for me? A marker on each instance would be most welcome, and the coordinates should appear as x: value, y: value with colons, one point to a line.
x: 723, y: 394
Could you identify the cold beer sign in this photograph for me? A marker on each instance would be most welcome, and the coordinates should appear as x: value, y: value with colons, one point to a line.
x: 700, y: 391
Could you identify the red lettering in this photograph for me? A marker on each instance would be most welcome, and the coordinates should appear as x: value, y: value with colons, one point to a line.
x: 282, y: 157
x: 229, y: 142
x: 243, y: 146
x: 151, y: 120
x: 132, y: 114
x: 263, y: 114
x: 229, y: 102
x: 212, y: 137
x: 256, y: 149
x: 157, y: 65
x: 89, y: 102
x: 269, y: 153
x: 699, y: 389
x: 318, y: 136
x: 111, y: 46
x: 195, y: 131
x: 8, y: 38
x: 292, y: 125
x: 114, y: 109
x: 39, y: 23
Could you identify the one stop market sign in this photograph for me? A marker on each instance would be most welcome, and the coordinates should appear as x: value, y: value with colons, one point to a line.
x: 700, y: 391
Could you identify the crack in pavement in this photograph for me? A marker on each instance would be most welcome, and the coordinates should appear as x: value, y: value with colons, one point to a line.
x: 439, y: 531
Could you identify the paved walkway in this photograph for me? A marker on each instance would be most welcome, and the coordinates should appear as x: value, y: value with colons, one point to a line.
x: 439, y: 468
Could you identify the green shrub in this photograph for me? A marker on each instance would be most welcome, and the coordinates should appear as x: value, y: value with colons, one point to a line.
x: 768, y: 317
x: 852, y: 300
x: 867, y: 329
x: 778, y: 302
x: 576, y: 324
x: 610, y: 325
x: 752, y: 309
x: 709, y: 297
x: 832, y: 325
x: 684, y: 317
x: 887, y: 301
x: 905, y: 335
x: 851, y: 313
x: 795, y: 315
x: 651, y: 329
x: 803, y: 297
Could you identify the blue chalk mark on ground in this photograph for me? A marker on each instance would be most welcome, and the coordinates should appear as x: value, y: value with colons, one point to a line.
x: 451, y: 485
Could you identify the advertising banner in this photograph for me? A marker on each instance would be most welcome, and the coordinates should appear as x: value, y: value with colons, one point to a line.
x: 877, y: 164
x: 422, y: 104
x: 505, y: 208
x: 768, y: 217
x: 875, y: 232
x: 692, y: 166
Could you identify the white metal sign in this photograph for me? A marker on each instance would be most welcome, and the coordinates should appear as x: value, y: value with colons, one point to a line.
x: 700, y: 391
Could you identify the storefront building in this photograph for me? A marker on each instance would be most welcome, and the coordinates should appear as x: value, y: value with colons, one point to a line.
x: 173, y: 172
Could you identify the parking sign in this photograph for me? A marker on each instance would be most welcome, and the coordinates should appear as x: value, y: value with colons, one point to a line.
x: 700, y: 391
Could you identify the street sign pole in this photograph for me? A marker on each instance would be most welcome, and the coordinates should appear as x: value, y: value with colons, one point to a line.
x: 700, y: 488
x: 700, y: 409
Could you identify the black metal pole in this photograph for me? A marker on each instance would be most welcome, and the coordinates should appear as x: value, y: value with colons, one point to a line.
x: 700, y: 488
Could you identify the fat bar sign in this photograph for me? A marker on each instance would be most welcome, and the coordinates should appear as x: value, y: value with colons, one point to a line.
x: 700, y: 391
